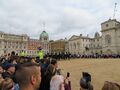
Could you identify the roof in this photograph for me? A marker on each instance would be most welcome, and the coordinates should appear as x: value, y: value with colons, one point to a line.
x: 22, y: 35
x: 44, y: 34
x: 111, y: 20
x: 74, y: 37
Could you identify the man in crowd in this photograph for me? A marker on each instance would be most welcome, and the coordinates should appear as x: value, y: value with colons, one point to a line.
x: 40, y: 53
x: 28, y: 76
x: 50, y: 72
x: 10, y: 70
x: 85, y: 82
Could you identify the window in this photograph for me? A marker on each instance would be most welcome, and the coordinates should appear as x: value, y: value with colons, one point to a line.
x: 107, y: 25
x: 83, y: 45
x: 74, y: 46
x: 71, y: 46
x: 98, y: 40
x: 45, y: 38
x: 108, y: 39
x: 83, y: 40
x: 89, y: 45
x: 98, y: 45
x: 78, y: 44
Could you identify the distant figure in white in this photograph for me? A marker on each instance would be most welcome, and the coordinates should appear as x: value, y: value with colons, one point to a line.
x: 57, y: 83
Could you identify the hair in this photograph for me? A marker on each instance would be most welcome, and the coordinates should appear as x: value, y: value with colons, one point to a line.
x: 7, y: 84
x: 110, y: 86
x: 13, y: 53
x: 24, y: 72
x: 53, y: 61
x: 56, y: 82
x: 1, y: 80
x: 85, y: 85
x: 1, y: 65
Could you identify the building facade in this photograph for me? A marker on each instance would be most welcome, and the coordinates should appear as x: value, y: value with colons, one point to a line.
x: 85, y: 45
x: 44, y: 38
x: 79, y: 44
x: 107, y: 43
x: 96, y: 44
x: 18, y: 43
x: 58, y: 46
x: 111, y: 37
x: 11, y: 42
x: 33, y: 45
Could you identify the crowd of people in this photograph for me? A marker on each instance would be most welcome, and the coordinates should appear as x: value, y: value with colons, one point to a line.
x: 33, y: 73
x: 69, y: 56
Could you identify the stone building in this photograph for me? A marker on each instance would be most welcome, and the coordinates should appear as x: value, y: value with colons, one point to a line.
x: 33, y: 45
x: 44, y: 38
x: 58, y: 46
x: 79, y: 44
x: 96, y: 44
x: 42, y: 42
x: 66, y: 47
x: 110, y: 37
x: 11, y: 42
x: 107, y: 43
x: 85, y: 44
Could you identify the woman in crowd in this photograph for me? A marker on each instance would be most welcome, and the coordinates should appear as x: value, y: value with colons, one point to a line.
x: 110, y: 86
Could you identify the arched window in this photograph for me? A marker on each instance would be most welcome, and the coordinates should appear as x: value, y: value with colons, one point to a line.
x: 108, y: 39
x: 74, y: 45
x: 78, y: 45
x: 71, y: 46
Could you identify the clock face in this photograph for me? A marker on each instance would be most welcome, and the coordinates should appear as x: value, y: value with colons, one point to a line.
x: 108, y: 39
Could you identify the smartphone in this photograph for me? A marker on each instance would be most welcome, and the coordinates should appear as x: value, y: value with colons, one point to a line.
x: 68, y: 74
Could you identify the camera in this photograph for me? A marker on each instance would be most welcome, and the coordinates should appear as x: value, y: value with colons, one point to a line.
x: 68, y: 74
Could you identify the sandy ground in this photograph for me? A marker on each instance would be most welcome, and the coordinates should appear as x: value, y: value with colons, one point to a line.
x: 100, y: 69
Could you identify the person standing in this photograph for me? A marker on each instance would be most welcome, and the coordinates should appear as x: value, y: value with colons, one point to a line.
x: 28, y: 76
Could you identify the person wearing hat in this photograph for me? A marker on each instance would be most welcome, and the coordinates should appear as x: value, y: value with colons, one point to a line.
x: 40, y: 53
x: 22, y: 53
x: 85, y: 82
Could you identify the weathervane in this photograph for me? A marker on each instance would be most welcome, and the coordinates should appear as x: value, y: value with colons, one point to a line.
x: 115, y: 10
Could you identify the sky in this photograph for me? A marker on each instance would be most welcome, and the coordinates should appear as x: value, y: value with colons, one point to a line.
x: 59, y: 18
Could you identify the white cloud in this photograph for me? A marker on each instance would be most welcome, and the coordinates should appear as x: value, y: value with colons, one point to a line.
x: 63, y: 18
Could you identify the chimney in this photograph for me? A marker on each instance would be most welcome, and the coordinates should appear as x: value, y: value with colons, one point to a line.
x: 80, y: 35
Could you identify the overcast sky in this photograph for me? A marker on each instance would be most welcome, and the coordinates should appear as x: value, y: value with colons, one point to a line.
x: 63, y: 18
